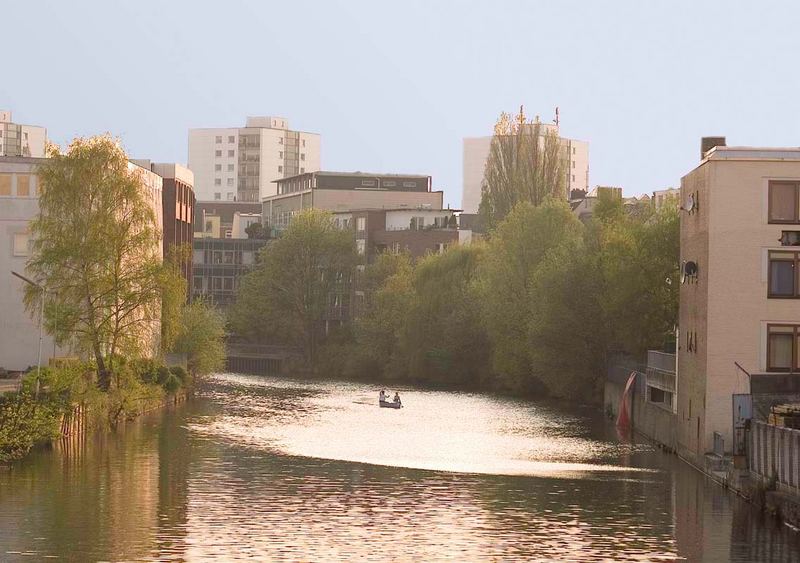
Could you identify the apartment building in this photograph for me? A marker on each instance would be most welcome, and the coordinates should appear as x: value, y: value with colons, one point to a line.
x: 19, y: 205
x: 476, y: 153
x: 667, y: 196
x: 740, y: 292
x: 21, y: 140
x: 240, y: 163
x: 346, y: 191
x: 218, y: 266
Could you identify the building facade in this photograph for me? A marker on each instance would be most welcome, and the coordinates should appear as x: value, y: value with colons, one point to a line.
x: 217, y: 219
x: 21, y: 140
x: 240, y: 163
x: 19, y: 332
x: 476, y: 153
x: 219, y: 264
x: 739, y: 294
x: 346, y: 191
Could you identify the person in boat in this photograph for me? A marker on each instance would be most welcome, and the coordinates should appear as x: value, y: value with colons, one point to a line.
x: 382, y: 396
x: 396, y: 397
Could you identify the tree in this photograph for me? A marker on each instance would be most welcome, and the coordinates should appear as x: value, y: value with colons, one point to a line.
x: 525, y: 163
x: 202, y: 338
x: 173, y: 294
x: 444, y: 335
x: 287, y: 296
x: 389, y: 295
x: 257, y: 231
x: 97, y: 252
x: 516, y: 250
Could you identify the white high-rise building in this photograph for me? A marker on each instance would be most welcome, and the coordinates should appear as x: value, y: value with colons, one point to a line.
x: 21, y: 140
x: 476, y: 152
x: 241, y: 163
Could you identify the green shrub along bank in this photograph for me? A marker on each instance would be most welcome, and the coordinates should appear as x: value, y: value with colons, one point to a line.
x: 28, y: 418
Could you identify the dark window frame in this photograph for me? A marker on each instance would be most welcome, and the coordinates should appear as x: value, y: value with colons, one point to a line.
x: 795, y: 333
x: 796, y: 262
x: 796, y: 219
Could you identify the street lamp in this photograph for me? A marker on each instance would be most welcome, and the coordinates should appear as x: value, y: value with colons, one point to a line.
x: 41, y: 308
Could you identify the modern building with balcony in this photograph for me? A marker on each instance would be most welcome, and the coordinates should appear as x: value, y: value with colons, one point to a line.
x: 740, y: 291
x: 346, y: 191
x: 240, y: 163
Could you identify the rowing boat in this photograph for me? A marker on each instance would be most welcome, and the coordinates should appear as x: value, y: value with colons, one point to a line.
x: 389, y: 405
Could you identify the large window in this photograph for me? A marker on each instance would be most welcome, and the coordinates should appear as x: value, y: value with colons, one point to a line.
x: 783, y: 270
x: 783, y: 202
x: 361, y: 223
x: 782, y: 348
x: 5, y: 184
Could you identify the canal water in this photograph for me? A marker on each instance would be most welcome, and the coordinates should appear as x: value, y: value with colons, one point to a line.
x: 269, y: 469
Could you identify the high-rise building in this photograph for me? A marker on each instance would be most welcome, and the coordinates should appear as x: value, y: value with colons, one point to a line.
x: 476, y: 153
x: 241, y: 163
x: 21, y: 140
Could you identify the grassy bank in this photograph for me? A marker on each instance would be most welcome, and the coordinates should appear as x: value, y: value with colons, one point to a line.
x: 29, y: 417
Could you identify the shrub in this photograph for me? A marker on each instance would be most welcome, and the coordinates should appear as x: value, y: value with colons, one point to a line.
x: 23, y: 423
x: 163, y: 374
x: 180, y: 373
x: 145, y: 369
x: 172, y: 383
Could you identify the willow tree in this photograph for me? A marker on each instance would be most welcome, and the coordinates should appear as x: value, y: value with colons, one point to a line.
x: 525, y: 163
x: 97, y: 253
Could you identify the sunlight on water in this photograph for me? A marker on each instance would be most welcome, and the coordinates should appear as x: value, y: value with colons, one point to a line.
x: 434, y: 431
x: 263, y: 469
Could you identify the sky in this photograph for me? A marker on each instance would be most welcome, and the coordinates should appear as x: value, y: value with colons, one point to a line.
x: 395, y: 86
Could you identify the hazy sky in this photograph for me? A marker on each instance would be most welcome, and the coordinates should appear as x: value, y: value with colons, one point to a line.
x: 395, y: 86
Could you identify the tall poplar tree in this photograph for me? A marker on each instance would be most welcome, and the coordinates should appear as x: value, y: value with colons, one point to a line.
x: 525, y: 163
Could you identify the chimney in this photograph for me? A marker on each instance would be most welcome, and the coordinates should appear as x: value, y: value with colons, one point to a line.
x: 708, y: 143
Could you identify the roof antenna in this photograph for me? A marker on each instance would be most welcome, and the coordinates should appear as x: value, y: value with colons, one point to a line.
x: 556, y: 120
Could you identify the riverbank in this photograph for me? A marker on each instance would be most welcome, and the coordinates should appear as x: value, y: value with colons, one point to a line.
x: 65, y: 401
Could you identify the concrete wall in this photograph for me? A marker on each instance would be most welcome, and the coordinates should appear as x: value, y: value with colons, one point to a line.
x: 650, y: 420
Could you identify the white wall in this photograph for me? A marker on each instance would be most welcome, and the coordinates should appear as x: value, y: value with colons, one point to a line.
x: 202, y: 149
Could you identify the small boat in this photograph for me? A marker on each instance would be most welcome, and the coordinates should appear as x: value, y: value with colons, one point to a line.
x: 390, y: 405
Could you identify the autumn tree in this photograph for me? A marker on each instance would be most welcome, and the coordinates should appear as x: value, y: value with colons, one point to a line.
x: 97, y: 252
x: 525, y: 163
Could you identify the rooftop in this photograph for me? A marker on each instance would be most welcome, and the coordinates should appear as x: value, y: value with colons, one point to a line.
x: 753, y: 153
x: 356, y: 174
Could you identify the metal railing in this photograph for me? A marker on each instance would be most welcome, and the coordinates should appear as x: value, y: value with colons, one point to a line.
x: 661, y: 361
x: 774, y: 452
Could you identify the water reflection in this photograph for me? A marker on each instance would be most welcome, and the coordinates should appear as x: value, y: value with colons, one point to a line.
x: 270, y: 470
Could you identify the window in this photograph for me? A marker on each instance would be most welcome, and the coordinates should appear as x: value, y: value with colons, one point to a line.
x: 231, y: 138
x: 302, y: 156
x: 280, y: 169
x: 230, y: 181
x: 227, y: 284
x: 573, y: 164
x: 782, y: 347
x: 280, y: 140
x: 228, y: 256
x: 573, y: 150
x: 302, y: 171
x: 217, y: 181
x: 783, y: 270
x: 23, y: 185
x: 217, y: 153
x: 218, y: 139
x: 304, y: 142
x: 573, y: 177
x: 217, y: 196
x: 361, y: 223
x: 417, y: 223
x: 217, y: 168
x: 783, y: 204
x: 198, y: 283
x: 230, y: 154
x: 230, y: 168
x: 368, y: 183
x: 409, y: 184
x: 5, y: 184
x: 389, y: 183
x: 361, y: 246
x: 21, y: 241
x: 230, y: 196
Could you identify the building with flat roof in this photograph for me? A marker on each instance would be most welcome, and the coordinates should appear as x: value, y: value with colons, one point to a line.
x: 19, y: 205
x: 21, y: 140
x: 345, y: 191
x: 217, y: 219
x: 240, y: 163
x: 739, y: 294
x: 476, y: 153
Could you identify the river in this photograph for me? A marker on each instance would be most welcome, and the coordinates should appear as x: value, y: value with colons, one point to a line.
x: 270, y: 469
